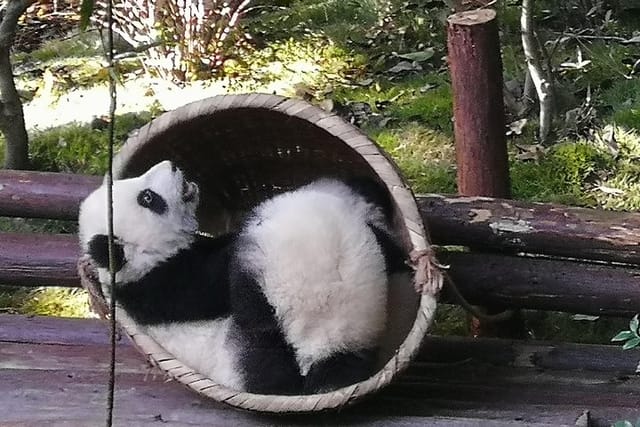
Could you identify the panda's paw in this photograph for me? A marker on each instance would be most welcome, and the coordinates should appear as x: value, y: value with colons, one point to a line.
x: 90, y: 282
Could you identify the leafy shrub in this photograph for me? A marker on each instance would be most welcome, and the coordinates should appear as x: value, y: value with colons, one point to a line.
x: 631, y: 336
x: 184, y: 39
x: 80, y: 148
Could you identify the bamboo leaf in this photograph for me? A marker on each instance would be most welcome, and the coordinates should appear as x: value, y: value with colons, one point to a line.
x: 633, y: 324
x: 632, y: 343
x: 623, y: 336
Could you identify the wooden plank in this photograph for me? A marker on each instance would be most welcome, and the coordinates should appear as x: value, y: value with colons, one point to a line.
x: 456, y: 381
x: 92, y: 334
x: 39, y: 259
x: 53, y: 330
x: 512, y: 226
x: 43, y: 194
x: 456, y: 398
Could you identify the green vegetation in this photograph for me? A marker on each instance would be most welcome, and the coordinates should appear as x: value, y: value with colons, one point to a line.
x: 49, y: 301
x: 630, y: 338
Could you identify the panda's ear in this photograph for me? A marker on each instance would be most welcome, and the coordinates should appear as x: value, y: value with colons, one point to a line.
x: 99, y: 252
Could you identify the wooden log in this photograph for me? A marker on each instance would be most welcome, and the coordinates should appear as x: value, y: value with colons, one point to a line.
x: 43, y: 194
x: 39, y: 259
x: 545, y: 284
x: 511, y: 226
x: 484, y: 279
x: 482, y: 223
x: 478, y: 108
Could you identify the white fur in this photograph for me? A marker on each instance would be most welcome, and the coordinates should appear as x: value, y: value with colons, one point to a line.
x: 321, y: 268
x: 147, y: 238
x: 203, y: 346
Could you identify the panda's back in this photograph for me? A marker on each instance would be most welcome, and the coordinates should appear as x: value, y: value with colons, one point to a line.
x: 317, y: 261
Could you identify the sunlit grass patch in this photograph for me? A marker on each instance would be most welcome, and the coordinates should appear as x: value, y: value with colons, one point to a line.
x: 425, y: 156
x: 46, y: 301
x: 426, y: 99
x: 562, y: 175
x: 620, y: 189
x: 282, y: 66
x: 80, y: 148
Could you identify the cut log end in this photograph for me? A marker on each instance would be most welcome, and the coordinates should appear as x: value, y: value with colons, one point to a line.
x: 472, y: 17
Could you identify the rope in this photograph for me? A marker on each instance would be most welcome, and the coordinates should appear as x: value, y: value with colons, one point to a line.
x: 112, y: 263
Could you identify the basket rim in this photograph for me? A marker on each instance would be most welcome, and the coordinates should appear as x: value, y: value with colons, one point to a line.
x: 386, y: 170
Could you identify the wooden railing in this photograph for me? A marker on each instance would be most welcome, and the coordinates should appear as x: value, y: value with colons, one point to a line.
x: 514, y: 254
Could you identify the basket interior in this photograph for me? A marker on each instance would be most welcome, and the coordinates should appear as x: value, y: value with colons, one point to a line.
x: 242, y: 156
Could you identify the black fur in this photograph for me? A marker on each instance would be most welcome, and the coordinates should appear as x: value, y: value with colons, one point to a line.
x: 340, y: 370
x: 395, y: 258
x: 153, y: 201
x: 99, y: 252
x: 267, y: 360
x: 373, y: 192
x: 192, y: 285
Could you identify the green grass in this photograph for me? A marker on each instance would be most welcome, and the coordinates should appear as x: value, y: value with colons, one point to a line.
x: 425, y: 156
x: 561, y: 175
x: 81, y: 45
x: 37, y: 225
x: 291, y: 66
x: 80, y: 148
x: 49, y: 301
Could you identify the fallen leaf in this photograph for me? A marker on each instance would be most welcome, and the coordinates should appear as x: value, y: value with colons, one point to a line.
x: 419, y: 56
x: 585, y: 317
x: 610, y: 190
x: 365, y: 82
x: 403, y: 66
x: 515, y: 128
x: 427, y: 87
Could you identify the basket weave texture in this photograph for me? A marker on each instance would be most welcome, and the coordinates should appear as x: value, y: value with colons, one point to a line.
x: 242, y: 149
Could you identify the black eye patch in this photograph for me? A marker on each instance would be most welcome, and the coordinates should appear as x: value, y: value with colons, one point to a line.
x: 153, y: 201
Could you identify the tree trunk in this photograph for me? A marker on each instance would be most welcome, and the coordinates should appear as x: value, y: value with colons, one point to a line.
x: 12, y: 123
x: 478, y: 107
x: 540, y: 79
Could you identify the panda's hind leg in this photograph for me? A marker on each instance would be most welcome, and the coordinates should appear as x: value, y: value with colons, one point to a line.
x: 267, y: 361
x: 340, y: 370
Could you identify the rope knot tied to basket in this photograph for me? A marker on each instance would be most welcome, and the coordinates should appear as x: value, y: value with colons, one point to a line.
x: 429, y: 278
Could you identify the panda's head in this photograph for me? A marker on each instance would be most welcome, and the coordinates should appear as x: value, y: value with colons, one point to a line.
x: 154, y: 217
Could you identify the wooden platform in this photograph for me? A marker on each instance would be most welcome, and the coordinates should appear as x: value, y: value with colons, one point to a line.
x: 53, y: 372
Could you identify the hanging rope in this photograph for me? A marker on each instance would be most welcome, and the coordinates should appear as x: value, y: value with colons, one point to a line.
x: 112, y: 263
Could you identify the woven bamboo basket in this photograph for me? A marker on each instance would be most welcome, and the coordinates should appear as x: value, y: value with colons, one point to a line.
x: 242, y: 149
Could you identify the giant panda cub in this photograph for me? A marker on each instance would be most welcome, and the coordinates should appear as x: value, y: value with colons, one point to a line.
x: 294, y: 302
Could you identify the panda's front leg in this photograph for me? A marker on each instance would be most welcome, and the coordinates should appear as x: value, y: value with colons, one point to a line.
x: 267, y: 362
